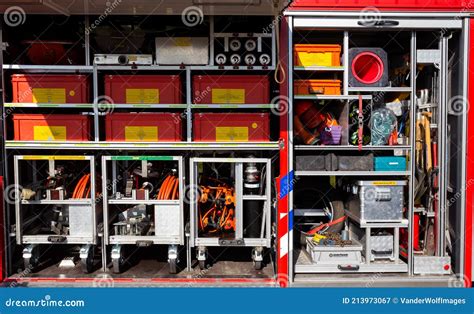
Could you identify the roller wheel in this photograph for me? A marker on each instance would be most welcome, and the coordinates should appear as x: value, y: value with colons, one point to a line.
x: 173, y: 265
x: 202, y: 265
x: 87, y: 264
x: 116, y: 267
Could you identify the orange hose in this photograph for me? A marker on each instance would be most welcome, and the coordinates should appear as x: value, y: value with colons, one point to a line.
x: 162, y: 188
x: 78, y: 187
x: 82, y: 188
x: 169, y: 189
x: 175, y: 189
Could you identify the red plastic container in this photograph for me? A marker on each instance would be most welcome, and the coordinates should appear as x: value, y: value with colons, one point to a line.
x: 144, y: 89
x: 231, y: 127
x: 42, y: 88
x: 231, y: 89
x: 143, y: 127
x: 51, y: 127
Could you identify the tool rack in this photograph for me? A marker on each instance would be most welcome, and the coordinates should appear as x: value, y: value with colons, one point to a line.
x: 168, y: 214
x: 82, y: 214
x: 238, y: 240
x: 302, y: 23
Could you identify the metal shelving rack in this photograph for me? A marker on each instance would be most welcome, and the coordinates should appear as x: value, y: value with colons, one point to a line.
x: 302, y: 263
x: 99, y: 147
x: 174, y: 219
x: 83, y: 213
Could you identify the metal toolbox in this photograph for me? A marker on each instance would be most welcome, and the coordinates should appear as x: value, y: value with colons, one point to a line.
x: 143, y: 89
x: 432, y: 265
x: 347, y: 256
x: 231, y: 127
x: 182, y: 50
x: 46, y: 88
x: 381, y: 247
x: 377, y: 201
x: 231, y: 89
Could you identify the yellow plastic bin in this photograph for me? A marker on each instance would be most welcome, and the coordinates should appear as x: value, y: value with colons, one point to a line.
x: 317, y: 55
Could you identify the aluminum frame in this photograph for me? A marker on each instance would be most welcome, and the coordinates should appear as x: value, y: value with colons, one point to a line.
x: 265, y: 239
x: 120, y: 239
x: 43, y: 239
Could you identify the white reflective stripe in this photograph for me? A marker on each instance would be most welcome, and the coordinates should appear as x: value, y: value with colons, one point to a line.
x: 284, y: 245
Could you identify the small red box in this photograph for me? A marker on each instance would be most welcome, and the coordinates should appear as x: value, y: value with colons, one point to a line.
x: 143, y: 127
x: 231, y: 127
x: 143, y: 89
x: 56, y: 89
x: 52, y: 127
x: 231, y: 89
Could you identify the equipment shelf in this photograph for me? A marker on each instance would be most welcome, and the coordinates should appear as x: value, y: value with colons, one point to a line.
x: 144, y: 145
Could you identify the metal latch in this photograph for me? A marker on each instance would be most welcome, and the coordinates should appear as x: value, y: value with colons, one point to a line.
x: 144, y: 243
x: 57, y: 238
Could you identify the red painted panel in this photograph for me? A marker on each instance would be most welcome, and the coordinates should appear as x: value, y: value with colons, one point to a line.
x: 283, y: 205
x: 389, y: 5
x: 470, y: 164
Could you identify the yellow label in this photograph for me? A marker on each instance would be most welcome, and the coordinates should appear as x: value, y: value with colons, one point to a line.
x: 142, y: 96
x: 182, y: 41
x: 232, y: 134
x: 228, y: 96
x: 315, y: 59
x: 49, y: 133
x: 141, y: 133
x: 384, y: 183
x: 34, y: 157
x: 49, y: 95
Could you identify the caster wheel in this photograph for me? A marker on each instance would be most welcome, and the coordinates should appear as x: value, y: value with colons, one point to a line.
x: 258, y: 265
x: 173, y: 266
x: 116, y: 269
x: 32, y: 261
x: 202, y: 265
x: 87, y: 264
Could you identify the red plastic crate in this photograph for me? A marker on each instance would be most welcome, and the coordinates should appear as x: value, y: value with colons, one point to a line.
x: 41, y: 88
x: 231, y: 127
x: 143, y: 127
x: 143, y: 89
x: 53, y: 127
x: 231, y: 89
